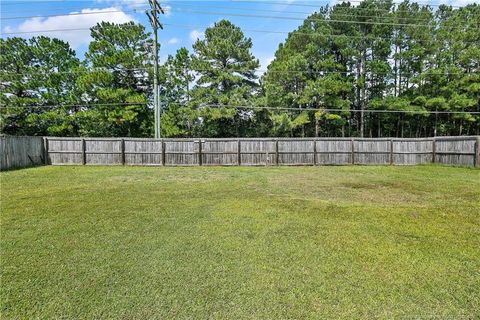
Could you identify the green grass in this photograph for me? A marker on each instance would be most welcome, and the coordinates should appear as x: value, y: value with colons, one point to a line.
x: 276, y: 242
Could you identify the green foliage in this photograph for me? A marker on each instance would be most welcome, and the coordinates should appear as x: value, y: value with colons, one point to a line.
x: 226, y: 78
x: 120, y: 61
x: 325, y: 80
x: 408, y: 59
x: 178, y: 118
x: 35, y: 80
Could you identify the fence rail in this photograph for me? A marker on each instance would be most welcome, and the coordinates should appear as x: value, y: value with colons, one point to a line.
x: 463, y: 151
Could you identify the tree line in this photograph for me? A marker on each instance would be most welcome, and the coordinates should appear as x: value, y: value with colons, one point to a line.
x: 375, y: 69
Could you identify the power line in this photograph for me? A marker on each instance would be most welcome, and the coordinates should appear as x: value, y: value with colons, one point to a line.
x: 246, y: 30
x: 78, y: 105
x: 205, y: 6
x: 56, y: 30
x: 255, y: 107
x: 296, y: 32
x: 422, y: 5
x: 11, y: 3
x: 295, y: 4
x: 303, y: 19
x: 399, y: 3
x: 75, y: 71
x: 286, y: 3
x: 342, y: 110
x: 46, y: 73
x: 68, y: 14
x: 326, y: 20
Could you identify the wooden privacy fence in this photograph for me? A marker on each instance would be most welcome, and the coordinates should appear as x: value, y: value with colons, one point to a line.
x: 20, y: 152
x: 263, y: 151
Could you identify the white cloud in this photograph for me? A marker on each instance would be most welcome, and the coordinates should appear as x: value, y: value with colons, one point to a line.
x: 167, y: 9
x: 136, y: 5
x: 76, y: 38
x: 132, y: 4
x: 265, y: 61
x: 173, y: 41
x: 195, y: 34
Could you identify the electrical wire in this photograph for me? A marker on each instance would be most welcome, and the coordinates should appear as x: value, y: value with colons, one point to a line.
x: 256, y: 71
x: 189, y: 27
x: 215, y: 7
x: 244, y: 15
x: 296, y: 4
x: 343, y: 110
x: 259, y: 107
x: 78, y: 105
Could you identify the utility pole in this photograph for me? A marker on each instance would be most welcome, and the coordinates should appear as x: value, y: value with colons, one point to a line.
x: 155, y: 22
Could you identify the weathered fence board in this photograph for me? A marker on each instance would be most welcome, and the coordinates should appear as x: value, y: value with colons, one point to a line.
x: 410, y: 152
x: 456, y: 151
x: 143, y: 152
x: 64, y: 151
x: 334, y: 151
x: 258, y: 152
x: 20, y: 152
x: 261, y: 152
x: 182, y: 152
x: 372, y: 151
x: 220, y: 152
x: 298, y: 152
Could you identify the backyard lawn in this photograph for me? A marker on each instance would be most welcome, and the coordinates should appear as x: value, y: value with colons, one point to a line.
x: 233, y: 243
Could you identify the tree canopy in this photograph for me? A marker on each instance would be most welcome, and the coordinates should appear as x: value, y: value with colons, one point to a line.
x: 373, y: 69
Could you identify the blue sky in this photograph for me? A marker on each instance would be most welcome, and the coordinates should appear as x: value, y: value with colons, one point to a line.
x: 184, y: 21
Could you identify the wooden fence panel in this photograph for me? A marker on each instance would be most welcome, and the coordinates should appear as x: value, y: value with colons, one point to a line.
x: 103, y: 152
x: 64, y: 151
x: 411, y: 152
x: 20, y: 152
x: 455, y: 151
x: 334, y: 152
x: 373, y: 151
x: 220, y: 152
x: 258, y: 152
x: 182, y: 152
x: 296, y: 152
x: 267, y: 151
x: 143, y: 152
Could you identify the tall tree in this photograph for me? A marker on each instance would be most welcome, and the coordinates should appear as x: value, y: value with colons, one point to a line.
x: 178, y: 117
x: 117, y: 81
x: 376, y: 56
x: 226, y: 79
x: 37, y: 81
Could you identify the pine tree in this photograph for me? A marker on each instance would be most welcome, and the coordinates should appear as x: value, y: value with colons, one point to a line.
x: 226, y: 79
x: 118, y: 65
x: 178, y: 117
x: 37, y: 80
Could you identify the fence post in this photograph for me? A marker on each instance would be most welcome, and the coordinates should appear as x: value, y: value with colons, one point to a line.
x: 434, y: 150
x: 391, y: 151
x: 353, y: 150
x: 276, y: 152
x: 239, y: 153
x: 84, y: 152
x: 477, y: 153
x: 45, y: 148
x: 199, y: 152
x: 314, y: 152
x: 163, y: 152
x: 122, y: 148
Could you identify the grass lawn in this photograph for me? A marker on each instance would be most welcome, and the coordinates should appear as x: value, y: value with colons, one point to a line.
x: 276, y: 242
